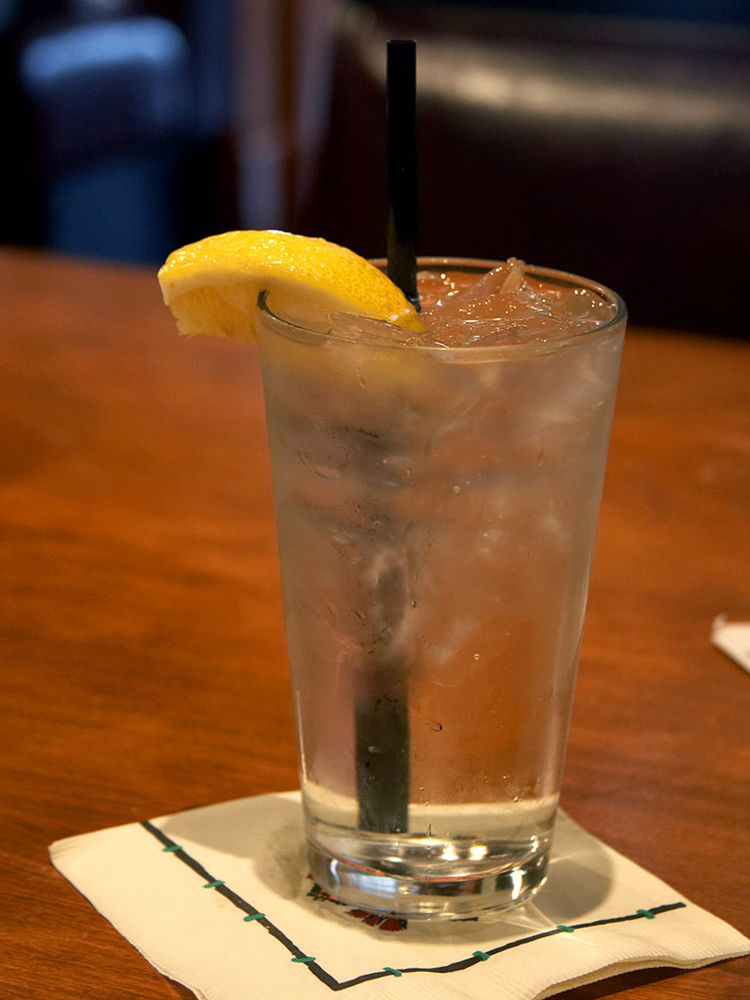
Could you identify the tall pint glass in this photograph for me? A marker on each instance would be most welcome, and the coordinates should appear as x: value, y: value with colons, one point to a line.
x: 436, y: 510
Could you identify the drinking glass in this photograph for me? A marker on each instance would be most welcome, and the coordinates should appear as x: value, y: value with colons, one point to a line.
x: 436, y: 511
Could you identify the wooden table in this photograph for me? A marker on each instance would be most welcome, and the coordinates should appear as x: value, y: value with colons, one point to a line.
x: 143, y: 665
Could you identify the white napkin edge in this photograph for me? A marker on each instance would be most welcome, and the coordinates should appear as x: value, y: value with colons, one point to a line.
x: 737, y: 948
x: 623, y: 967
x: 733, y: 639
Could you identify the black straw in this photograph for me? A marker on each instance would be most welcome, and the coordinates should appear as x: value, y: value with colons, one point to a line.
x: 401, y: 91
x: 381, y: 707
x: 381, y: 694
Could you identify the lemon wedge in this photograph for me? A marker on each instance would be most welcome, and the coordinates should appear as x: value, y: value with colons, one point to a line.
x: 212, y: 286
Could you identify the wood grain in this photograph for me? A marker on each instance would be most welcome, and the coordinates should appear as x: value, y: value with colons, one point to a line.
x: 142, y: 637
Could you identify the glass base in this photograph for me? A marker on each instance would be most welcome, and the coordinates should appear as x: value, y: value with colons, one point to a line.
x: 458, y: 898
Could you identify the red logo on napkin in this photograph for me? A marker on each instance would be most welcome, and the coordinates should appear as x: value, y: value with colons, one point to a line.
x: 379, y: 920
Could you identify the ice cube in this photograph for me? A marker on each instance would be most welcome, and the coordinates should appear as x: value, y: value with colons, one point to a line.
x: 474, y: 314
x: 504, y: 306
x: 371, y: 331
x: 507, y: 306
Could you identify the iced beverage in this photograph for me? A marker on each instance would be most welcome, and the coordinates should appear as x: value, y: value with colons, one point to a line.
x: 436, y: 495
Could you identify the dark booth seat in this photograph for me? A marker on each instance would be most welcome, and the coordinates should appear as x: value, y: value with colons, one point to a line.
x: 616, y: 148
x: 116, y: 119
x: 109, y: 105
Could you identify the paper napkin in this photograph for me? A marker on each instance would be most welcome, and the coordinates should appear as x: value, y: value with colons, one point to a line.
x: 219, y: 899
x: 732, y: 638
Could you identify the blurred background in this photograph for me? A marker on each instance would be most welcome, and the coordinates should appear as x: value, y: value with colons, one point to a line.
x: 611, y: 139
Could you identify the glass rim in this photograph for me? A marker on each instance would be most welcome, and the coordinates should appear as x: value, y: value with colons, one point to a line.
x: 552, y: 276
